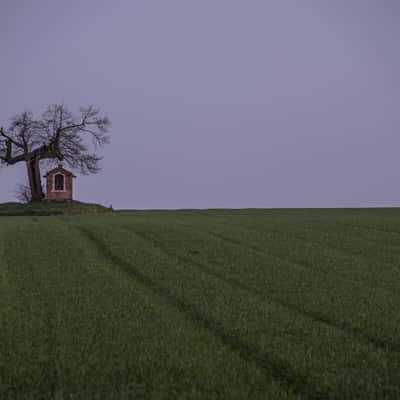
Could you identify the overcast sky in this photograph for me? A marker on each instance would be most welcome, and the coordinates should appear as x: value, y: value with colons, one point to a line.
x: 217, y: 103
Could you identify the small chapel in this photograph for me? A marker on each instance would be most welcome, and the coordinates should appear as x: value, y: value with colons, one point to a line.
x: 59, y: 184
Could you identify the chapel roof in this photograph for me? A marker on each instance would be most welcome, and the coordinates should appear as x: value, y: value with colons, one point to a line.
x: 61, y: 169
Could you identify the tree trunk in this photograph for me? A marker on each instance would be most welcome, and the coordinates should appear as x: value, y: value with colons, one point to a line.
x: 35, y: 182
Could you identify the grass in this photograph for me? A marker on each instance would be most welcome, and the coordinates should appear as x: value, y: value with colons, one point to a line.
x: 50, y: 208
x: 216, y: 304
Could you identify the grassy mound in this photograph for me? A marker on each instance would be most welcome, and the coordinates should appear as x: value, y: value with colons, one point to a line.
x: 50, y: 208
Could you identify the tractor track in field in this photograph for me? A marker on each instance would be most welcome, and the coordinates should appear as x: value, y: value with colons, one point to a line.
x: 315, y: 316
x: 278, y: 370
x: 305, y: 265
x: 369, y: 228
x: 302, y: 239
x: 302, y: 265
x: 323, y: 245
x: 343, y: 250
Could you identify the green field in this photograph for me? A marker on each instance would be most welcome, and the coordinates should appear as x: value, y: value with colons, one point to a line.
x: 216, y: 304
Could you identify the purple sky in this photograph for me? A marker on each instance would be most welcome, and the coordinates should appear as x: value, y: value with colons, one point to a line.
x: 217, y: 103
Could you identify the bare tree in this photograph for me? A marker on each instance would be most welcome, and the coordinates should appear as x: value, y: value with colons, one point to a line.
x: 57, y: 135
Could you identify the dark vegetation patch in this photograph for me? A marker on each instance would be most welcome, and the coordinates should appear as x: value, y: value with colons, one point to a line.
x: 50, y: 208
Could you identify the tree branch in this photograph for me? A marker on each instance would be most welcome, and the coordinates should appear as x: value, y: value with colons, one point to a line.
x: 14, y: 160
x: 58, y: 134
x: 10, y: 139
